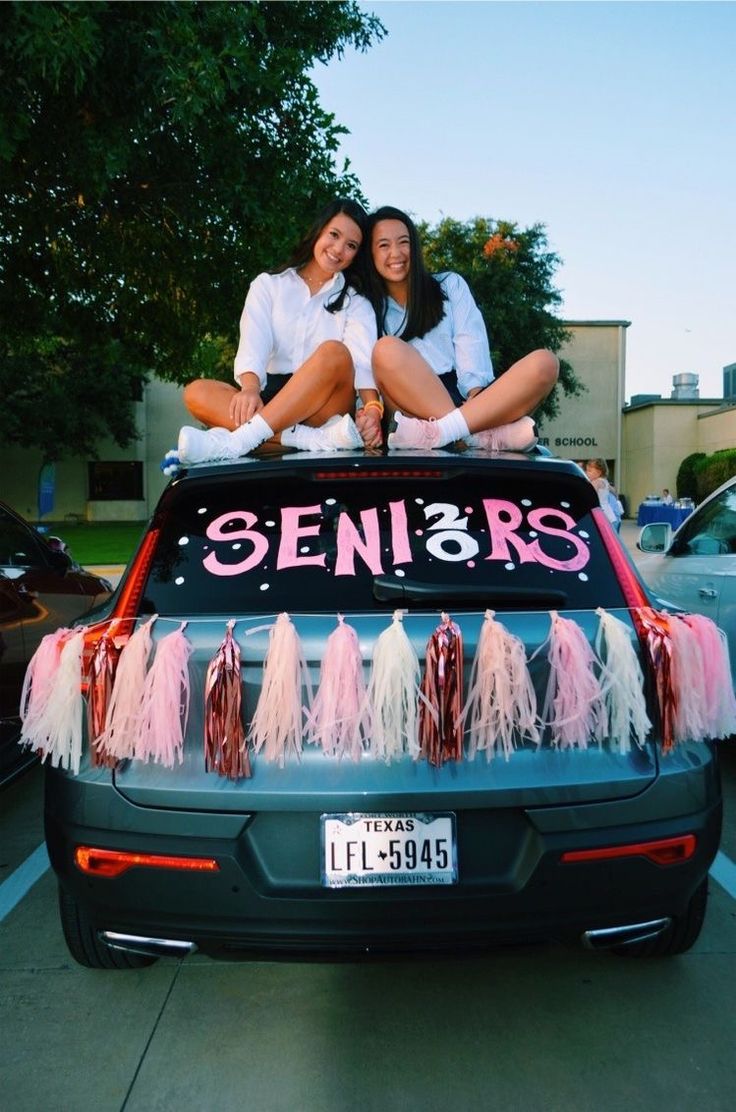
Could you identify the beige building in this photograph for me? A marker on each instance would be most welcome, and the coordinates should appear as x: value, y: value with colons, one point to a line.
x: 643, y: 442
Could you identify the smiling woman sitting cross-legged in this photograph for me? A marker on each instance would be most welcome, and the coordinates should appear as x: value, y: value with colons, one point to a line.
x: 306, y: 336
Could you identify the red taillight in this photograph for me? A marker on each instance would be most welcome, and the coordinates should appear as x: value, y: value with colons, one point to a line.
x: 121, y: 620
x: 113, y: 862
x: 633, y: 592
x: 663, y: 851
x: 130, y: 596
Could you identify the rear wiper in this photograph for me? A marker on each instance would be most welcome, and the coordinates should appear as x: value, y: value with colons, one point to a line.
x: 389, y: 589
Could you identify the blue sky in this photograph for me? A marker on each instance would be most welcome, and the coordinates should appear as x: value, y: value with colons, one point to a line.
x: 613, y: 124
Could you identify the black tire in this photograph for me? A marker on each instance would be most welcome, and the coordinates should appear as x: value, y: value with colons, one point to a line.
x: 80, y: 934
x: 679, y: 937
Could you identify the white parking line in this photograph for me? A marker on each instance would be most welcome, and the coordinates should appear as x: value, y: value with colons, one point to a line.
x: 724, y: 871
x: 22, y: 880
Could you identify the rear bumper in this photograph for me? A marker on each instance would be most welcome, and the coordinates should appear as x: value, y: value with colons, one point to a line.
x: 266, y: 898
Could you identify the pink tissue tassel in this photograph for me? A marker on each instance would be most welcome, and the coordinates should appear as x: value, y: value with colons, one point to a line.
x: 224, y: 737
x: 277, y: 724
x: 440, y: 708
x: 39, y: 680
x: 574, y: 707
x: 720, y: 702
x: 165, y: 702
x: 339, y: 720
x: 501, y: 707
x: 53, y: 725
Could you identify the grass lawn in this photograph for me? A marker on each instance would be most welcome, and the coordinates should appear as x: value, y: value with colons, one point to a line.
x: 102, y: 542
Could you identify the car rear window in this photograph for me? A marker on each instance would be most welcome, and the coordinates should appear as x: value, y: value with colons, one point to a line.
x: 464, y: 539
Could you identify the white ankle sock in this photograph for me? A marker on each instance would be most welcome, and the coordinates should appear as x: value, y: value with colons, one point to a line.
x: 452, y: 426
x: 253, y: 433
x: 303, y: 437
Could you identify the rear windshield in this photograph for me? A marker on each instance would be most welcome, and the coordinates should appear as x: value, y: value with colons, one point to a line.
x: 274, y: 543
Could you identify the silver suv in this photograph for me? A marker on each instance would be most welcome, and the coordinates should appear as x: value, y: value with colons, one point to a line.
x: 322, y: 854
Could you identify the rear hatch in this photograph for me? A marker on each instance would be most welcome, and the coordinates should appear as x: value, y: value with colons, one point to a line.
x: 363, y: 536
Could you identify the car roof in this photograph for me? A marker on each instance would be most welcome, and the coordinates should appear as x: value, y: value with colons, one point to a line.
x: 293, y: 460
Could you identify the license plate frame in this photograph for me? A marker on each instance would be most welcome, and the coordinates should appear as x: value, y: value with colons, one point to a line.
x: 362, y: 849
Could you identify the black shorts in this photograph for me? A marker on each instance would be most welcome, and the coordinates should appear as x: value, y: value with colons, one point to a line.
x: 274, y: 383
x: 449, y: 381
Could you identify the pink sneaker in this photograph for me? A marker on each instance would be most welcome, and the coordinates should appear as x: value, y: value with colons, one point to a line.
x: 412, y: 432
x: 517, y: 436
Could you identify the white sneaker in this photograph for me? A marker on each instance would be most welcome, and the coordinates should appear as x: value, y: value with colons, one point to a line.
x: 206, y: 445
x: 336, y: 435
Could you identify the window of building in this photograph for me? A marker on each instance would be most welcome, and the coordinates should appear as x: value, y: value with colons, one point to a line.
x: 118, y: 481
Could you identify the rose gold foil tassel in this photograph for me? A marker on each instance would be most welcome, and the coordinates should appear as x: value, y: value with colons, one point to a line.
x: 654, y: 630
x: 225, y: 749
x: 440, y: 709
x: 101, y: 679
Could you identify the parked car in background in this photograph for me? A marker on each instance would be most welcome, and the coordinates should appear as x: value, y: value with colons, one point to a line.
x: 695, y: 567
x: 323, y: 855
x: 41, y: 588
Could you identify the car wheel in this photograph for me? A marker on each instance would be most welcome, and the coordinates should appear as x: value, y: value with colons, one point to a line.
x: 680, y: 936
x: 80, y: 934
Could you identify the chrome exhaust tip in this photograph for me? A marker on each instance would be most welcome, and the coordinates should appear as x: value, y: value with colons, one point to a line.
x: 153, y: 947
x: 606, y: 937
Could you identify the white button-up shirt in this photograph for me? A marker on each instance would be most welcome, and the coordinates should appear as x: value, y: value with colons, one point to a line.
x: 282, y: 325
x: 459, y: 342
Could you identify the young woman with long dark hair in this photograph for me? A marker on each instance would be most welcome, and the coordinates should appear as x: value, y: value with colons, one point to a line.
x: 432, y: 360
x: 306, y: 336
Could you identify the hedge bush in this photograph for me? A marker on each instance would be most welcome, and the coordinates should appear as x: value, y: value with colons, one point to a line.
x: 710, y: 471
x: 687, y: 484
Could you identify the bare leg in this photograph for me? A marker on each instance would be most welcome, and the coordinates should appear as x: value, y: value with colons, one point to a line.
x: 322, y: 387
x: 208, y: 400
x: 410, y: 385
x: 406, y: 380
x: 515, y: 393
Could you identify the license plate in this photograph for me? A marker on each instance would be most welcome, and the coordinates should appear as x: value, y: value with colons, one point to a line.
x: 362, y: 851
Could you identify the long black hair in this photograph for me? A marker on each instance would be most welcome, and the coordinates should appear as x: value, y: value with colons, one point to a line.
x: 302, y: 253
x: 425, y: 301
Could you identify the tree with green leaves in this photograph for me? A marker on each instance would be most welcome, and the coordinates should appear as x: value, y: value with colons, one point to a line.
x: 510, y: 271
x: 153, y: 158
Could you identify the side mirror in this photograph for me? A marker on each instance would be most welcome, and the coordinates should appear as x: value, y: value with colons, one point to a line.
x: 655, y: 537
x: 60, y: 561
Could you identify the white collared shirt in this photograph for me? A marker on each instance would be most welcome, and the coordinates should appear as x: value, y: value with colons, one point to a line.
x: 282, y: 325
x: 459, y: 342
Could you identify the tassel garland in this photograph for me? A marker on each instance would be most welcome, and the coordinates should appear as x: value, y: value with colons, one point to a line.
x: 277, y: 723
x: 440, y: 724
x: 501, y: 706
x: 393, y: 692
x: 165, y: 702
x: 339, y: 720
x: 593, y: 693
x: 225, y: 748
